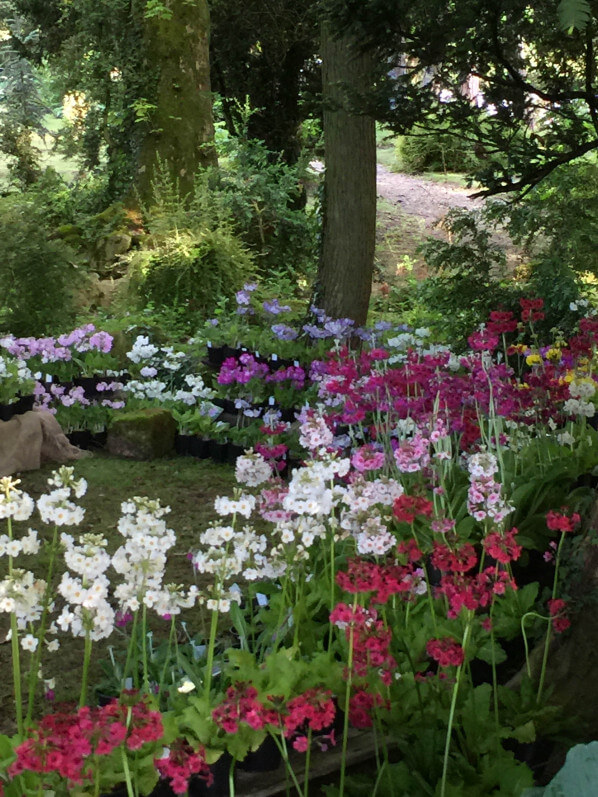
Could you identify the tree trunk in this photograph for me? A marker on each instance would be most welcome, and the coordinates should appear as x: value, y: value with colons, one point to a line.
x: 349, y: 228
x: 181, y: 127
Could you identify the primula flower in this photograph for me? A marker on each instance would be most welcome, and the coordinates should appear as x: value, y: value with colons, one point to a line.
x: 557, y: 609
x: 407, y: 507
x: 502, y: 546
x: 446, y: 651
x: 560, y: 521
x: 180, y: 763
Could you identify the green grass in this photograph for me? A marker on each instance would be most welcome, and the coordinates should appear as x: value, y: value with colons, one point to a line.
x: 187, y: 485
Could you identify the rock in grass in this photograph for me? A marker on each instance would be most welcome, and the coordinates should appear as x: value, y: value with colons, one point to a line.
x: 144, y: 434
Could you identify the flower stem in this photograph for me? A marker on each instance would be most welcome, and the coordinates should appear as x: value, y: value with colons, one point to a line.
x: 449, y: 730
x: 549, y: 629
x: 210, y: 660
x: 16, y: 671
x: 341, y: 789
x: 86, y: 660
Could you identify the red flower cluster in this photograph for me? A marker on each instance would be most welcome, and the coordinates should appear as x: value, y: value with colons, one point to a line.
x: 445, y: 651
x: 501, y: 322
x: 64, y: 743
x: 557, y: 610
x: 502, y: 547
x: 460, y: 560
x: 473, y: 591
x: 181, y: 763
x: 407, y: 507
x: 313, y: 710
x: 560, y: 521
x: 241, y: 705
x: 383, y: 580
x: 531, y: 309
x: 361, y: 705
x: 371, y: 640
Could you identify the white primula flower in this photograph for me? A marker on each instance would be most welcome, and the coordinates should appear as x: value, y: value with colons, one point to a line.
x: 29, y: 642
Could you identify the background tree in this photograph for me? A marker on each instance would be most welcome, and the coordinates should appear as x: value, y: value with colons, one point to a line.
x: 349, y: 207
x: 265, y: 52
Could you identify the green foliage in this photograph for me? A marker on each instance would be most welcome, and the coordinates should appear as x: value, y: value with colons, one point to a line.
x: 37, y: 274
x: 265, y: 198
x: 557, y: 226
x: 435, y: 151
x: 574, y: 14
x: 468, y: 275
x: 191, y: 270
x: 192, y: 257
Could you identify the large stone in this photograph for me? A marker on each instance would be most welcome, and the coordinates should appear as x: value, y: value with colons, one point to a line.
x: 144, y: 434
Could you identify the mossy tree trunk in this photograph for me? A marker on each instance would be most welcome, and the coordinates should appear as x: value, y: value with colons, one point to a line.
x: 349, y: 229
x: 181, y: 127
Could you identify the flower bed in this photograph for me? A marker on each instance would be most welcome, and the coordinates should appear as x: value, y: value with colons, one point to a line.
x: 396, y: 583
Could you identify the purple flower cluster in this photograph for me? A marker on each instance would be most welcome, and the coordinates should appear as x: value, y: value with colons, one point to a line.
x: 294, y: 374
x: 241, y: 371
x: 50, y: 350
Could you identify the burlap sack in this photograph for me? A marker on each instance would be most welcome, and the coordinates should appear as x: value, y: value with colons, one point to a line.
x: 29, y: 440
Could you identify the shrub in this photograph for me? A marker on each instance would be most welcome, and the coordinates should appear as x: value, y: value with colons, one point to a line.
x: 468, y: 275
x: 37, y: 275
x: 435, y: 151
x: 191, y: 270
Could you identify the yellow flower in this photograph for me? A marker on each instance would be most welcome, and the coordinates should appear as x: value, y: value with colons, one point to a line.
x: 554, y: 355
x: 533, y: 359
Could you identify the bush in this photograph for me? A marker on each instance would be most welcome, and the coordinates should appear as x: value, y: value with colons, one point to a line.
x: 266, y: 200
x: 38, y: 277
x: 191, y: 270
x: 435, y: 152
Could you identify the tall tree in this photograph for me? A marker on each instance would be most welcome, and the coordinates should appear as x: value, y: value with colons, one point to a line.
x: 349, y: 226
x: 180, y: 127
x: 141, y: 68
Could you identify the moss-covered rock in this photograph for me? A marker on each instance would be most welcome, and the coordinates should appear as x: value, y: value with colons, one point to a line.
x: 145, y: 434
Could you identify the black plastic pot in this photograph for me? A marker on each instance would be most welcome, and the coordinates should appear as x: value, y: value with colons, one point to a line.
x: 82, y: 438
x: 7, y: 411
x: 233, y: 451
x: 218, y: 451
x: 199, y: 447
x: 266, y: 758
x: 25, y: 404
x: 182, y: 443
x: 220, y: 770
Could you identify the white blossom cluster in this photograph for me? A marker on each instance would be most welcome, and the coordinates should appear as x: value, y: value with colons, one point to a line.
x: 22, y: 594
x: 363, y: 517
x: 55, y: 506
x: 252, y: 469
x: 14, y: 503
x: 142, y: 558
x: 228, y: 552
x: 311, y: 488
x: 87, y: 610
x: 29, y: 544
x: 580, y: 391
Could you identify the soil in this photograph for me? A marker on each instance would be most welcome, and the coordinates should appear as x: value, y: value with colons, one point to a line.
x: 411, y: 208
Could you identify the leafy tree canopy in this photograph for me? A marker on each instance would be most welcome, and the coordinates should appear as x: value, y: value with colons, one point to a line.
x: 536, y: 64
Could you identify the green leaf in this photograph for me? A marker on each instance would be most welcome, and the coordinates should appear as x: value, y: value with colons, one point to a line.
x: 574, y: 14
x: 525, y: 733
x: 484, y: 652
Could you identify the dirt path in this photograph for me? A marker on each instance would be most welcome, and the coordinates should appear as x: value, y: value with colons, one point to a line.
x: 410, y: 209
x: 425, y: 199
